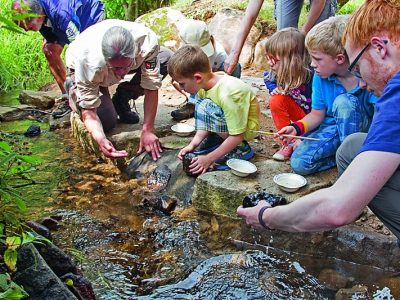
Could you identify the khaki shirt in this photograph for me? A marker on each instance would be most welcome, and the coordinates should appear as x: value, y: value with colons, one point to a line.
x: 84, y: 56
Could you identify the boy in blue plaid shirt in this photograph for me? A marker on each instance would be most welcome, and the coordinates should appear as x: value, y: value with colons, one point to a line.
x: 226, y: 106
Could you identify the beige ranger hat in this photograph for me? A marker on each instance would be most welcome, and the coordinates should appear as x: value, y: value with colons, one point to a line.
x: 194, y: 32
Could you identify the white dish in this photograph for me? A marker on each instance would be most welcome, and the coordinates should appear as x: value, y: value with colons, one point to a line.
x: 182, y: 129
x: 241, y: 167
x: 290, y: 182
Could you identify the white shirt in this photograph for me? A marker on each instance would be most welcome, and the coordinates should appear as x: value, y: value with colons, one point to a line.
x: 84, y: 56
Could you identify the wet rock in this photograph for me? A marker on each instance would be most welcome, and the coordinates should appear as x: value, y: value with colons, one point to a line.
x: 57, y: 260
x: 159, y: 178
x: 252, y: 199
x: 161, y: 203
x: 42, y: 100
x: 252, y: 275
x: 12, y: 113
x: 59, y: 123
x: 32, y: 131
x: 38, y: 280
x: 356, y: 292
x: 332, y: 279
x: 50, y: 222
x: 79, y: 286
x: 39, y: 229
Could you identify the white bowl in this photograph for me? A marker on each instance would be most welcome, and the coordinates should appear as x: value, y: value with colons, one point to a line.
x: 241, y: 167
x: 290, y: 182
x: 182, y: 129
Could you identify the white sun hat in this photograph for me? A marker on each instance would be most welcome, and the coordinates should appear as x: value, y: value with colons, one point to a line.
x: 195, y: 32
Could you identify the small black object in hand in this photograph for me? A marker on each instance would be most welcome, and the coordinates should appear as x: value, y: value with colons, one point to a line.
x: 187, y: 160
x: 252, y: 199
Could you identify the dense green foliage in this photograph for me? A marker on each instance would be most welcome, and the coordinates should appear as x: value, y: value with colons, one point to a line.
x: 131, y: 9
x: 16, y: 167
x: 22, y: 63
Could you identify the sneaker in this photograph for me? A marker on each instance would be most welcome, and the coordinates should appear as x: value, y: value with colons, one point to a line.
x: 284, y: 153
x: 183, y: 113
x: 62, y: 110
x: 242, y: 151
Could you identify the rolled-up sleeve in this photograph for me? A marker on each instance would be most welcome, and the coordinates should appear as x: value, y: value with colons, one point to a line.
x: 88, y: 81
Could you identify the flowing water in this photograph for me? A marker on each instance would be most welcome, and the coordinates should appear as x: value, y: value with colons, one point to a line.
x: 131, y: 251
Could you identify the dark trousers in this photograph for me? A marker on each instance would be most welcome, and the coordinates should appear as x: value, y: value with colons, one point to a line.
x: 386, y: 204
x: 126, y: 91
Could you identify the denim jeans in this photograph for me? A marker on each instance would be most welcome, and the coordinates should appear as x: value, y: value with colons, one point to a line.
x: 287, y: 12
x: 314, y: 156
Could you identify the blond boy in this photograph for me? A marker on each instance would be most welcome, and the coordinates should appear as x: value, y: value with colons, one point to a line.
x: 340, y: 106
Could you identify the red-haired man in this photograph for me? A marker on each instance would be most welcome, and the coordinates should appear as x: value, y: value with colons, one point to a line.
x: 368, y: 163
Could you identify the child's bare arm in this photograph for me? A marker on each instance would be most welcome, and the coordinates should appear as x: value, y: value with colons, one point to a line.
x: 313, y: 120
x: 197, y: 139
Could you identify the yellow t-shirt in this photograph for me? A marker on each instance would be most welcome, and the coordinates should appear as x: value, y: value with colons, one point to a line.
x: 239, y: 104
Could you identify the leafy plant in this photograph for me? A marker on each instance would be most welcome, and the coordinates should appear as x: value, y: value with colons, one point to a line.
x: 131, y: 9
x: 10, y: 290
x: 22, y: 63
x: 16, y: 167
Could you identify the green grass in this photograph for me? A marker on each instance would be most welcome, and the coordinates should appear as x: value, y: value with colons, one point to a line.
x: 22, y: 62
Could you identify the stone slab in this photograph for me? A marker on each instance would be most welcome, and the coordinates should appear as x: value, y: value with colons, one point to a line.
x: 221, y: 192
x: 12, y: 113
x: 42, y: 100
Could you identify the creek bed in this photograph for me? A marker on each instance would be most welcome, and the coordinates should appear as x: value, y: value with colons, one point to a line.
x: 128, y: 250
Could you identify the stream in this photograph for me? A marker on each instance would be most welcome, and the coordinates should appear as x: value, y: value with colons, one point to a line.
x: 129, y: 250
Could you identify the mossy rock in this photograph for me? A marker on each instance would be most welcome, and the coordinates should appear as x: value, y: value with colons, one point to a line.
x: 163, y: 22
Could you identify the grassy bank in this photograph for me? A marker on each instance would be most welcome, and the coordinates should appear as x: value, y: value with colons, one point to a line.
x: 22, y: 63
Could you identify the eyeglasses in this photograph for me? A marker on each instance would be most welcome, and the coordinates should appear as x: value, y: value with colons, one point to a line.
x: 353, y: 68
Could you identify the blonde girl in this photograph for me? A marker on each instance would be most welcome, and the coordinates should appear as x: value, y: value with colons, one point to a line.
x: 288, y: 81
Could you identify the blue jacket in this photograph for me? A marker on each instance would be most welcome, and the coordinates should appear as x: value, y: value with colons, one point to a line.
x: 70, y: 17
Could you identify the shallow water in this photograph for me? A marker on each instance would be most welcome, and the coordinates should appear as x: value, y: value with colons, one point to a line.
x: 128, y: 250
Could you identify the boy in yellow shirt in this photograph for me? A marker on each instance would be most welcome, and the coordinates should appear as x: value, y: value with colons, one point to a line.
x: 226, y: 107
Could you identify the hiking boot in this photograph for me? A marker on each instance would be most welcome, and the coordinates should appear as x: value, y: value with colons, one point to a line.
x: 284, y: 153
x: 183, y: 113
x: 62, y: 110
x: 242, y: 151
x: 121, y: 103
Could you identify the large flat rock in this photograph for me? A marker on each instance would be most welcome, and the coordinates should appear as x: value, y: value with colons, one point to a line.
x: 221, y: 192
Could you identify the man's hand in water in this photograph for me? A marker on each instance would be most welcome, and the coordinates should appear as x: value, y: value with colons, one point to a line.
x: 108, y: 149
